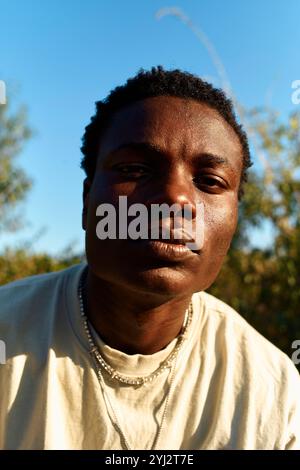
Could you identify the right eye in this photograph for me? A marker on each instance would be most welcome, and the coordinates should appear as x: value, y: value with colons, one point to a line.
x: 132, y: 171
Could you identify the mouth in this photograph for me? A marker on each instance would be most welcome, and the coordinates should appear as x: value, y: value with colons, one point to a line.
x: 176, y: 236
x: 169, y: 250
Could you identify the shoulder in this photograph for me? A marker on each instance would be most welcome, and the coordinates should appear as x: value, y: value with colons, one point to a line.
x: 31, y: 296
x: 242, y: 344
x: 261, y: 380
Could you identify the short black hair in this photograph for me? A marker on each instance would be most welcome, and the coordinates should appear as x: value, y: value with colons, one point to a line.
x: 153, y: 83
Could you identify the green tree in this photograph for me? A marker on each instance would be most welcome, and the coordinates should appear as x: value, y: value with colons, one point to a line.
x: 17, y: 264
x: 263, y: 285
x: 14, y: 183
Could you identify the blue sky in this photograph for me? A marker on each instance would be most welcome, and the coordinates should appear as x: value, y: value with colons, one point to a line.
x: 58, y: 57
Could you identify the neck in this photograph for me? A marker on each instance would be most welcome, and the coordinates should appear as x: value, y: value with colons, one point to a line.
x: 131, y: 321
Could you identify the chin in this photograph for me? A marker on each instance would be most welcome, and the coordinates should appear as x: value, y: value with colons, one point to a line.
x: 165, y: 281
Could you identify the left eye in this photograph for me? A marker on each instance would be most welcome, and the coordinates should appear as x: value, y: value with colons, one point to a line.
x: 207, y: 181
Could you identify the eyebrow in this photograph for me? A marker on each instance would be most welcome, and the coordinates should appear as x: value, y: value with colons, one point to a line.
x: 212, y: 159
x: 202, y: 158
x: 141, y: 147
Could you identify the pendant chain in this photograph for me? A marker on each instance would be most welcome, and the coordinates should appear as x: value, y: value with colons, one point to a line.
x: 102, y: 365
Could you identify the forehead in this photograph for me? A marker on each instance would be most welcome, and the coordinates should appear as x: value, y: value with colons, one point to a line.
x: 179, y: 126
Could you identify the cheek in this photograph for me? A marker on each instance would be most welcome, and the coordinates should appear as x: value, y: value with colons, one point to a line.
x: 98, y: 195
x: 220, y: 225
x: 219, y: 228
x: 101, y: 193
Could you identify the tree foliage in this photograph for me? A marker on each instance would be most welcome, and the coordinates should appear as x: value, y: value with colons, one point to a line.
x: 17, y: 264
x: 263, y: 284
x: 14, y: 183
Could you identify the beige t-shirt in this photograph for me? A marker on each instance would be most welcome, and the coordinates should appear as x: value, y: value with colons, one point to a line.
x: 231, y: 388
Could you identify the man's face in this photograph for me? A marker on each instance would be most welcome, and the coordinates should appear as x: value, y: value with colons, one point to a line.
x: 165, y: 150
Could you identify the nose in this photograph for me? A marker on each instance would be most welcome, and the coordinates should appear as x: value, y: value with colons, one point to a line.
x: 176, y: 187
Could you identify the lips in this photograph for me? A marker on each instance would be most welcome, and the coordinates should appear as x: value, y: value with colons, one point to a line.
x: 168, y: 250
x: 163, y: 233
x: 164, y: 242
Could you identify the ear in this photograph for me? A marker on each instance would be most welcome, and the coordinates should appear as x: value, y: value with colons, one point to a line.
x: 85, y: 200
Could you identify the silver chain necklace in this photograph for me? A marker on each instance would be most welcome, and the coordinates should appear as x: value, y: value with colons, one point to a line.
x: 102, y: 365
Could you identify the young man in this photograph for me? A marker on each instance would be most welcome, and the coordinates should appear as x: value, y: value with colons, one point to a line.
x: 128, y: 351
